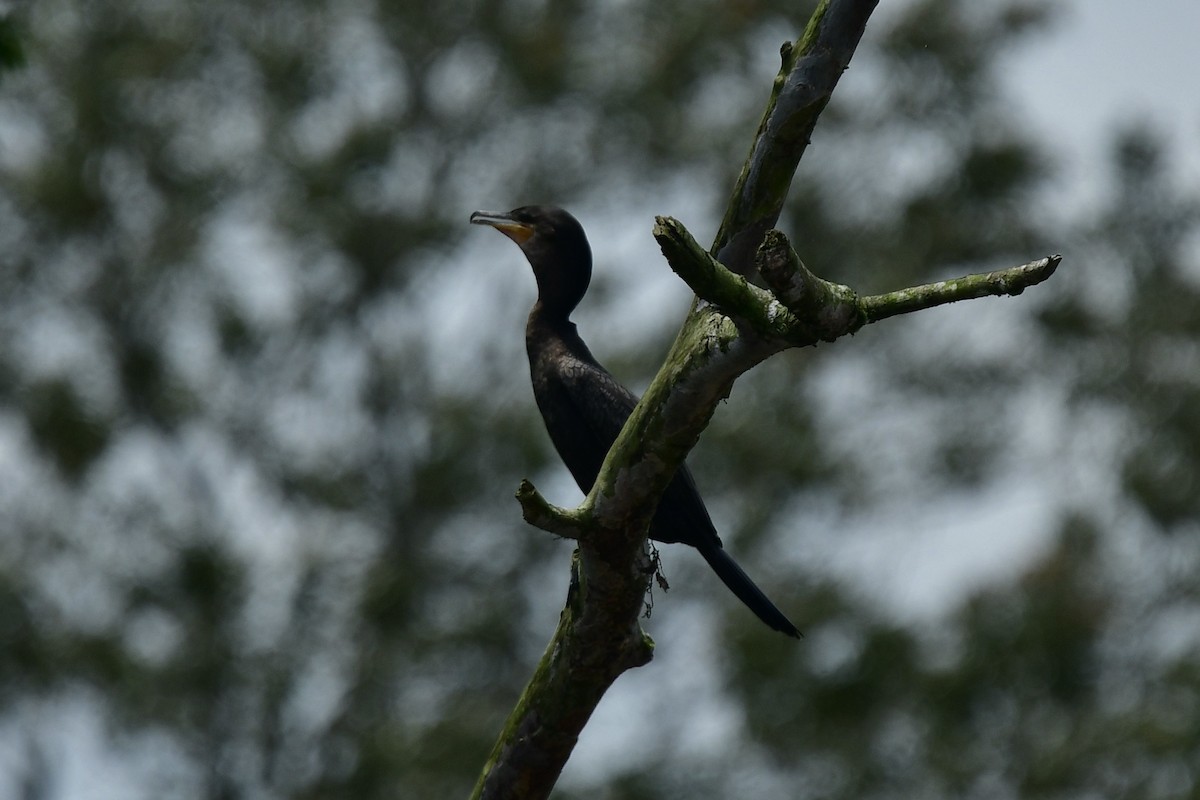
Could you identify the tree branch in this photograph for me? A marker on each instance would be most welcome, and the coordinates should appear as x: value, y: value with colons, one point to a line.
x: 1010, y: 281
x: 806, y: 80
x: 567, y: 523
x: 824, y: 311
x: 747, y: 305
x: 574, y: 673
x: 802, y: 309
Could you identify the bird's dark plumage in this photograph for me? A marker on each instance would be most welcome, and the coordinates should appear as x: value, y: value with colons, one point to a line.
x: 584, y: 407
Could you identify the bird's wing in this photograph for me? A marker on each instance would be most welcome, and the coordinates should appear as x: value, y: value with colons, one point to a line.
x: 604, y: 405
x: 598, y: 406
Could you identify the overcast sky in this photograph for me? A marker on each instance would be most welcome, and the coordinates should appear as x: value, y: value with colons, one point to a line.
x: 1111, y: 61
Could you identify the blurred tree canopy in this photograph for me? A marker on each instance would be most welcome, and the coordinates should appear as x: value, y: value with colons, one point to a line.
x: 262, y: 408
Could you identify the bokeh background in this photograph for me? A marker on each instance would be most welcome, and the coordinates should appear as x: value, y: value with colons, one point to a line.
x: 264, y: 400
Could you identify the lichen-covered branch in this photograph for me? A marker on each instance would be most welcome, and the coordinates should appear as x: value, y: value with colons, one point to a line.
x: 1010, y: 281
x: 574, y: 673
x: 823, y: 310
x: 802, y: 309
x: 567, y: 523
x: 744, y: 303
x: 806, y: 80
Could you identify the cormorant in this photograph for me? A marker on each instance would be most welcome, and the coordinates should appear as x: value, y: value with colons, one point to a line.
x: 584, y: 407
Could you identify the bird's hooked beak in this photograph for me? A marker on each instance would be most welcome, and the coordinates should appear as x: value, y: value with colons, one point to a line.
x: 519, y: 232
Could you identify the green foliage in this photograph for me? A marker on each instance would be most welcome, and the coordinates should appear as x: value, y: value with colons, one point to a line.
x: 1135, y: 350
x: 63, y: 427
x: 11, y: 53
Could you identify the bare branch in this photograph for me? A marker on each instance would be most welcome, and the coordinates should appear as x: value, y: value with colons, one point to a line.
x: 802, y: 309
x: 567, y: 523
x: 805, y: 82
x: 746, y: 304
x: 1010, y: 281
x: 574, y: 673
x: 824, y: 311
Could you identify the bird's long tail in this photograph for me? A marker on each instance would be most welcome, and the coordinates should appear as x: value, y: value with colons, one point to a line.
x: 740, y: 584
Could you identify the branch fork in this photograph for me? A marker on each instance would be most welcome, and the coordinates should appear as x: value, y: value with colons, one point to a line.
x: 802, y: 309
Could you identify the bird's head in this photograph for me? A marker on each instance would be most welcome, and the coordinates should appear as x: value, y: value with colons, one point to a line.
x: 557, y: 249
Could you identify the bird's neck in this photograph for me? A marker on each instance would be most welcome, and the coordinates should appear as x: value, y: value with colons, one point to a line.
x: 550, y: 317
x: 548, y: 328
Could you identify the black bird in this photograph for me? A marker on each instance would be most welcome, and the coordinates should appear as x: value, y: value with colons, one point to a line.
x: 584, y: 407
